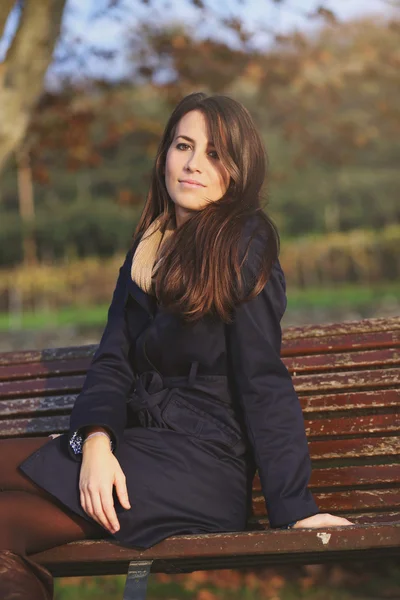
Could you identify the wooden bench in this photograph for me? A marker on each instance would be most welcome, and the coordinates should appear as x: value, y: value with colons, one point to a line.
x: 347, y: 377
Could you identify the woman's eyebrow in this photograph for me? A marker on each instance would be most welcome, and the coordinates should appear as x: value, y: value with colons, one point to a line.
x: 189, y: 139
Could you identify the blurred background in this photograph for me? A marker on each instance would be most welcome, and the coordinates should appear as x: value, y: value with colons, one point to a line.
x: 86, y: 87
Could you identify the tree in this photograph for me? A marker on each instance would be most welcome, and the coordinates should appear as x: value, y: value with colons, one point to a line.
x: 22, y: 74
x: 23, y: 70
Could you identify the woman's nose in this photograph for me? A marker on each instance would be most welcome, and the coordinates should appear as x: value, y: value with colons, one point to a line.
x: 193, y: 163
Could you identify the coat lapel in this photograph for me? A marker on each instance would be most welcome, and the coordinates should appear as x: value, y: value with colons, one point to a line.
x: 146, y: 301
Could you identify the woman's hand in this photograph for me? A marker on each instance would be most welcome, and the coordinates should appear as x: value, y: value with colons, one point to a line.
x: 322, y: 520
x: 100, y: 471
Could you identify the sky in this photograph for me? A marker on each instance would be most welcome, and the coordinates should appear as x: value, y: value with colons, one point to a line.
x: 259, y: 16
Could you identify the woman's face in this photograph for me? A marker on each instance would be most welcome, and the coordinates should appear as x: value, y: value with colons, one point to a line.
x: 191, y: 156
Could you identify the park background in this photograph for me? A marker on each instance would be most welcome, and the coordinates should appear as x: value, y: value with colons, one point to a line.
x: 85, y: 92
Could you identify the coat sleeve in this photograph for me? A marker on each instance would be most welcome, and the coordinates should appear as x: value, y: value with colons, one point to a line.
x: 272, y: 412
x: 102, y: 400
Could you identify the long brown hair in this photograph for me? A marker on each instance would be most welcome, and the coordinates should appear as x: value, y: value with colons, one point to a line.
x: 200, y: 272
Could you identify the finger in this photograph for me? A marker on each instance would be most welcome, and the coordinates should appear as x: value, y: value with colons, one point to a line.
x: 335, y: 521
x: 98, y: 511
x: 108, y: 508
x: 339, y: 520
x: 88, y: 507
x: 121, y: 489
x: 83, y: 502
x: 347, y: 522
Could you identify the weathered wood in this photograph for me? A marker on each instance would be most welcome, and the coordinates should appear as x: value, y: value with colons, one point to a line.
x: 317, y: 382
x: 36, y: 406
x: 296, y: 365
x: 350, y: 500
x: 341, y: 361
x: 354, y: 425
x: 25, y: 357
x: 363, y: 518
x: 19, y: 372
x: 355, y: 448
x: 340, y: 402
x: 51, y: 385
x: 320, y: 428
x: 351, y: 380
x: 348, y: 328
x: 193, y: 552
x: 344, y: 477
x: 340, y: 343
x: 294, y: 340
x: 33, y: 427
x: 350, y: 401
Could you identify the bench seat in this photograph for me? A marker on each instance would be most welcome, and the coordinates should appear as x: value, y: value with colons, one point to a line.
x: 347, y: 377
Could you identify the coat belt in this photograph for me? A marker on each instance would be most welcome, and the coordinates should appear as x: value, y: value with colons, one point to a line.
x: 151, y: 387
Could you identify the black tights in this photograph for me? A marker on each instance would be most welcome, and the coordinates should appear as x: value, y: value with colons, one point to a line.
x: 31, y: 520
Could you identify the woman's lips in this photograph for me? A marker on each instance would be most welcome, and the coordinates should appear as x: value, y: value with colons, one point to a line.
x: 192, y: 185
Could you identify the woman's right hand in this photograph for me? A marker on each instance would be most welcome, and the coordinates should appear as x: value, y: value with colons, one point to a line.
x: 100, y: 471
x: 321, y: 520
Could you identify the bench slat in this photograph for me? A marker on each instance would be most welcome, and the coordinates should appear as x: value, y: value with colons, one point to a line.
x: 343, y: 361
x: 355, y: 448
x: 52, y: 385
x: 346, y: 328
x: 34, y: 427
x: 350, y: 401
x: 35, y: 407
x: 327, y: 449
x: 25, y: 357
x: 377, y: 332
x: 318, y: 428
x: 196, y: 552
x: 350, y: 500
x: 345, y: 402
x: 359, y: 518
x: 299, y: 365
x: 75, y: 366
x: 354, y: 476
x: 332, y: 344
x: 354, y: 425
x: 356, y: 380
x: 376, y: 379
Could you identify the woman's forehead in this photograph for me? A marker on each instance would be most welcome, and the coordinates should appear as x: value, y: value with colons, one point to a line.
x: 193, y: 125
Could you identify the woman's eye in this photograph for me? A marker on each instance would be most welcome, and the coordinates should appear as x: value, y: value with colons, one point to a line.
x: 187, y: 146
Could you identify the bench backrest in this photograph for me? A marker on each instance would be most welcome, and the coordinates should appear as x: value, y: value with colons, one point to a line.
x: 347, y: 377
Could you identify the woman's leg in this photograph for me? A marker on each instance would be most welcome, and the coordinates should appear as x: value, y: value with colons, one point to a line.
x: 31, y: 520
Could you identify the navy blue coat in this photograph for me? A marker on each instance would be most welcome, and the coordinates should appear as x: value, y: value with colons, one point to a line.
x: 193, y: 410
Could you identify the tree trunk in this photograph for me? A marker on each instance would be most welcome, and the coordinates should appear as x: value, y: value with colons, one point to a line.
x: 23, y: 71
x: 5, y: 9
x: 26, y: 205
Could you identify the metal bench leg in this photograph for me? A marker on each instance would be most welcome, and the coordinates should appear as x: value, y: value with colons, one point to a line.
x: 136, y: 580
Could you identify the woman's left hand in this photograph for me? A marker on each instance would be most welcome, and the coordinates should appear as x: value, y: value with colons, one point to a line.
x: 322, y: 520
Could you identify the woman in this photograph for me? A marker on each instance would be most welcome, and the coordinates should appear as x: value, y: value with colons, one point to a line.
x: 186, y: 395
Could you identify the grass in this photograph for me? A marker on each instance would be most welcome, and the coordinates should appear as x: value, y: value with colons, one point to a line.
x: 368, y: 580
x: 342, y: 296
